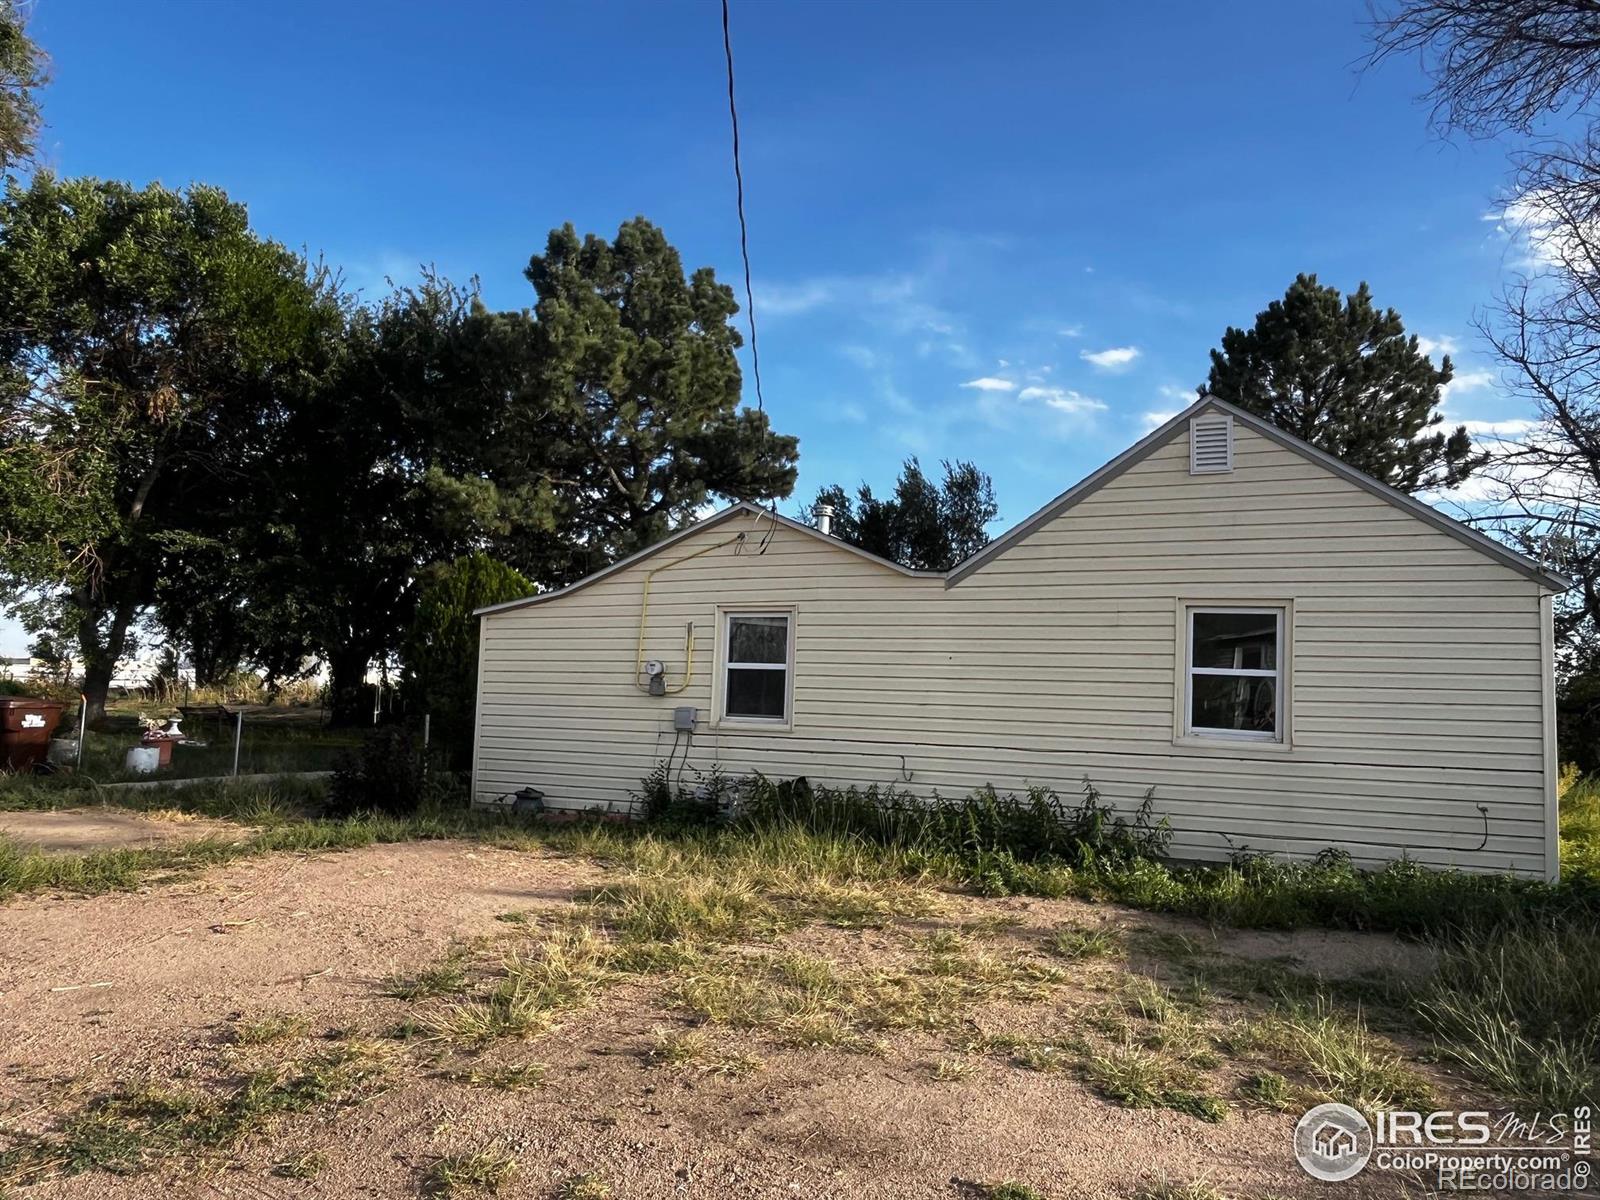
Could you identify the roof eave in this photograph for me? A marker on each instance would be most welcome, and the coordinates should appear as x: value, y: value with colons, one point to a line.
x: 716, y: 518
x: 1157, y: 437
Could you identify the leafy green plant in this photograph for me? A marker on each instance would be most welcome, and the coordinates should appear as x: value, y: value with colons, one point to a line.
x: 392, y: 773
x: 441, y: 648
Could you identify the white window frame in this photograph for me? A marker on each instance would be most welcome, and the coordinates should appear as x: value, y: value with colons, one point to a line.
x: 725, y: 619
x: 1279, y: 674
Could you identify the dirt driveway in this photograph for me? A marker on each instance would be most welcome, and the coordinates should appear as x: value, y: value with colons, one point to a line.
x: 83, y: 830
x: 185, y: 984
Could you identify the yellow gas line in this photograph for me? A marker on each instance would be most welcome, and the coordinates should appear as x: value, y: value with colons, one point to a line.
x: 688, y: 638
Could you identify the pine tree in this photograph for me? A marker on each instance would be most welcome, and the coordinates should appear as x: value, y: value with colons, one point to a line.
x: 925, y: 525
x: 1343, y: 375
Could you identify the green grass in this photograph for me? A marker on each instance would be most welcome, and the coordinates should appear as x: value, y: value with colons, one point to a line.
x: 536, y: 986
x: 1267, y: 1089
x: 1349, y: 1063
x: 1518, y: 1007
x: 1076, y: 941
x: 447, y: 977
x: 1010, y: 1189
x: 1580, y: 826
x: 1514, y: 999
x: 483, y: 1172
x: 131, y: 1129
x: 518, y: 1077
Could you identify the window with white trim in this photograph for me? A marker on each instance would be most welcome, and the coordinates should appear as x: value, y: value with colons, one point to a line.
x: 1234, y: 674
x: 756, y: 666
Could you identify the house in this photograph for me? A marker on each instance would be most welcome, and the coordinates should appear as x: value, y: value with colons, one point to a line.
x: 1293, y: 655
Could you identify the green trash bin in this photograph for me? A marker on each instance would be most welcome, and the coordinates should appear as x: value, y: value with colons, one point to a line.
x: 25, y: 728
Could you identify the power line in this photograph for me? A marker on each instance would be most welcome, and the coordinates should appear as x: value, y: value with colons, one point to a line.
x: 744, y: 233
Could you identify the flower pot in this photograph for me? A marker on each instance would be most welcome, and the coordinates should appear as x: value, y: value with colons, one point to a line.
x: 161, y: 744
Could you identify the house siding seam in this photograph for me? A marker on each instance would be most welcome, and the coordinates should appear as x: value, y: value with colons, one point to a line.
x: 1418, y: 687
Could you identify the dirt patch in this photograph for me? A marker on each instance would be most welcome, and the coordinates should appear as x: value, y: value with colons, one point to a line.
x: 163, y: 981
x: 85, y: 830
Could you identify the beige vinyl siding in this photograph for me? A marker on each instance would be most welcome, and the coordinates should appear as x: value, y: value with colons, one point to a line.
x: 1416, y: 686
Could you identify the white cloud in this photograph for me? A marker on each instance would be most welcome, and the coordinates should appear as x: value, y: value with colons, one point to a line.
x: 1431, y: 346
x: 1178, y: 395
x: 1513, y: 428
x: 1072, y: 331
x: 1468, y: 381
x: 1116, y: 358
x: 989, y: 383
x: 1063, y: 399
x: 1551, y: 226
x: 1156, y: 419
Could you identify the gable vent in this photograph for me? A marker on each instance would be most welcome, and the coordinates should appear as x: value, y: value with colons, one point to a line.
x: 1211, y: 444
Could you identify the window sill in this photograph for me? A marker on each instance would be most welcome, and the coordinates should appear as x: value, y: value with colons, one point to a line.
x: 1231, y: 747
x: 753, y: 725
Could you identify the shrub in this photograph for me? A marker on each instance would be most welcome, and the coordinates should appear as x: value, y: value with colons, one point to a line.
x: 391, y: 773
x: 441, y: 649
x: 986, y: 829
x: 663, y: 799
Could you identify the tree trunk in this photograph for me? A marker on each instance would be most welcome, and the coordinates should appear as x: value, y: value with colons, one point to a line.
x: 96, y: 683
x: 349, y: 699
x: 100, y: 657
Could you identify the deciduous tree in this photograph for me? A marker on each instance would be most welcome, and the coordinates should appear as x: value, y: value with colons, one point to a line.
x: 441, y: 650
x: 149, y: 343
x: 1532, y: 68
x: 22, y: 73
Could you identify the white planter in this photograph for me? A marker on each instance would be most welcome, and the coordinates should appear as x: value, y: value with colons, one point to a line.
x: 142, y: 760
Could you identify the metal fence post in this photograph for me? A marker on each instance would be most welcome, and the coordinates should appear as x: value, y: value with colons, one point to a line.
x: 238, y: 737
x: 427, y: 725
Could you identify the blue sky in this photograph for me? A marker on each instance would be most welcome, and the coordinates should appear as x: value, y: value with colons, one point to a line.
x: 1008, y: 232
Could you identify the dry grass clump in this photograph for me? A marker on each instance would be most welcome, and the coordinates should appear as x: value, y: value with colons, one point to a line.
x: 270, y: 1027
x: 483, y: 1172
x: 1348, y: 1062
x: 537, y: 985
x: 695, y: 1048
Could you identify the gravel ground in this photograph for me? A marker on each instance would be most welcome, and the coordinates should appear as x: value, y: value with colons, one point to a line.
x: 155, y: 982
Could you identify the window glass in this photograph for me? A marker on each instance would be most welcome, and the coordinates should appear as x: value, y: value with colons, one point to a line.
x: 1235, y: 640
x: 755, y: 681
x: 1237, y: 702
x: 756, y: 693
x: 758, y: 640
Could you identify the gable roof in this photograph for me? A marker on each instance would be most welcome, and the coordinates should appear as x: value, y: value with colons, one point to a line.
x: 1086, y: 487
x: 711, y: 522
x: 1157, y: 438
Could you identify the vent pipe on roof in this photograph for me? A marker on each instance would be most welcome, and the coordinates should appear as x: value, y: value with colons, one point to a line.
x: 825, y: 520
